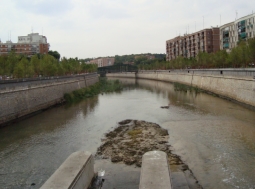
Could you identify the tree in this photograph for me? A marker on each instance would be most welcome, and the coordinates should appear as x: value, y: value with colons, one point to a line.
x: 251, y: 44
x: 19, y: 70
x: 55, y: 54
x: 3, y: 65
x: 49, y: 65
x: 23, y: 68
x: 36, y: 62
x: 235, y: 57
x: 12, y: 60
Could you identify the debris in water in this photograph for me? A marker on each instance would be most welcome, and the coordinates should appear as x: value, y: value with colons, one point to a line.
x: 101, y: 173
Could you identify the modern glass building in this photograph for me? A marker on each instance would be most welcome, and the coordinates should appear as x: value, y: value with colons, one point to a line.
x: 238, y: 30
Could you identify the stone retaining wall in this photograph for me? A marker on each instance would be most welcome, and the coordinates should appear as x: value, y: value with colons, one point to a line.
x: 239, y: 88
x: 20, y: 99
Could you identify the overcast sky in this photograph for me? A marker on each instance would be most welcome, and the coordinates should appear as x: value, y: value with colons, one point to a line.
x: 93, y: 28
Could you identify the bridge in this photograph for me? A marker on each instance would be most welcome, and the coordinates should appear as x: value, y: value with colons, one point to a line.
x: 117, y: 68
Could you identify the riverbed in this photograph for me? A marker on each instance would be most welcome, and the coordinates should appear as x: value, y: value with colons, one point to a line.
x: 214, y: 137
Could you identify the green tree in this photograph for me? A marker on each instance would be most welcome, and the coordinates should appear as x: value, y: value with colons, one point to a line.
x: 12, y: 60
x: 3, y: 65
x: 235, y: 57
x: 23, y: 68
x: 251, y: 44
x: 49, y: 65
x: 36, y: 62
x: 19, y: 70
x: 55, y: 54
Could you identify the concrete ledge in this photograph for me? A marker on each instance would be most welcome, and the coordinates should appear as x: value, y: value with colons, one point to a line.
x: 155, y: 172
x: 76, y: 172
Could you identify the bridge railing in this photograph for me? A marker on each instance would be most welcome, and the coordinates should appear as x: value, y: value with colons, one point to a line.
x: 238, y: 72
x: 29, y: 82
x: 19, y: 80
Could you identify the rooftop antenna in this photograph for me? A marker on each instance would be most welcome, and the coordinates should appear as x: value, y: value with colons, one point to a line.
x: 203, y: 23
x: 236, y: 15
x: 32, y: 29
x: 195, y: 26
x: 220, y: 19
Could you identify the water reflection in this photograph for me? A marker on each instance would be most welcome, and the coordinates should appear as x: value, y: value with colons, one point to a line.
x: 26, y: 146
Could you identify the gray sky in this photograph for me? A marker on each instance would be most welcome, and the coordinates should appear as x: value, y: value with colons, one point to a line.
x: 93, y: 28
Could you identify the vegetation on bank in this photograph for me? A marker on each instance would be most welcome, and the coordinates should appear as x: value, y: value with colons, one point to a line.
x: 241, y: 56
x: 14, y: 65
x: 186, y: 88
x: 103, y: 86
x: 139, y: 58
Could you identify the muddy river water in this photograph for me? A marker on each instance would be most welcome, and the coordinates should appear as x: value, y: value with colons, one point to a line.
x: 213, y: 136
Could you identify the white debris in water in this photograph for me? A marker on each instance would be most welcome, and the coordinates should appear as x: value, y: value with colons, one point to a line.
x: 101, y: 172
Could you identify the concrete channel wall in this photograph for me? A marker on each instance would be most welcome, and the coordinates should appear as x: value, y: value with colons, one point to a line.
x: 234, y: 84
x: 76, y: 172
x: 22, y: 98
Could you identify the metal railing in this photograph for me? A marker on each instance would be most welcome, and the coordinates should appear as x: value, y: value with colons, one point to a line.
x: 13, y: 84
x: 237, y: 72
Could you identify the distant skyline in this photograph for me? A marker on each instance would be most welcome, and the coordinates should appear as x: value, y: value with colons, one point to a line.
x: 98, y: 28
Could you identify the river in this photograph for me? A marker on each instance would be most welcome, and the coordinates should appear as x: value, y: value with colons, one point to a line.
x: 213, y: 136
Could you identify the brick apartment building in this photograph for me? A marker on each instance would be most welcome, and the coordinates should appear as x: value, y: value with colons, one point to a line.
x: 189, y: 45
x: 240, y: 29
x: 29, y: 45
x: 102, y: 62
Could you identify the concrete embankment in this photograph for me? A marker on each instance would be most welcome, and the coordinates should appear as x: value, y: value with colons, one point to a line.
x: 234, y: 84
x: 19, y: 99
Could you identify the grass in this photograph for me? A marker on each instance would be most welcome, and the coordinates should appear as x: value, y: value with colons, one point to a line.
x: 186, y: 88
x: 103, y: 86
x: 135, y: 132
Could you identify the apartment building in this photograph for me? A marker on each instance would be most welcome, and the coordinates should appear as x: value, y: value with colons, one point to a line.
x: 189, y: 45
x: 233, y: 32
x: 29, y: 45
x: 102, y: 62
